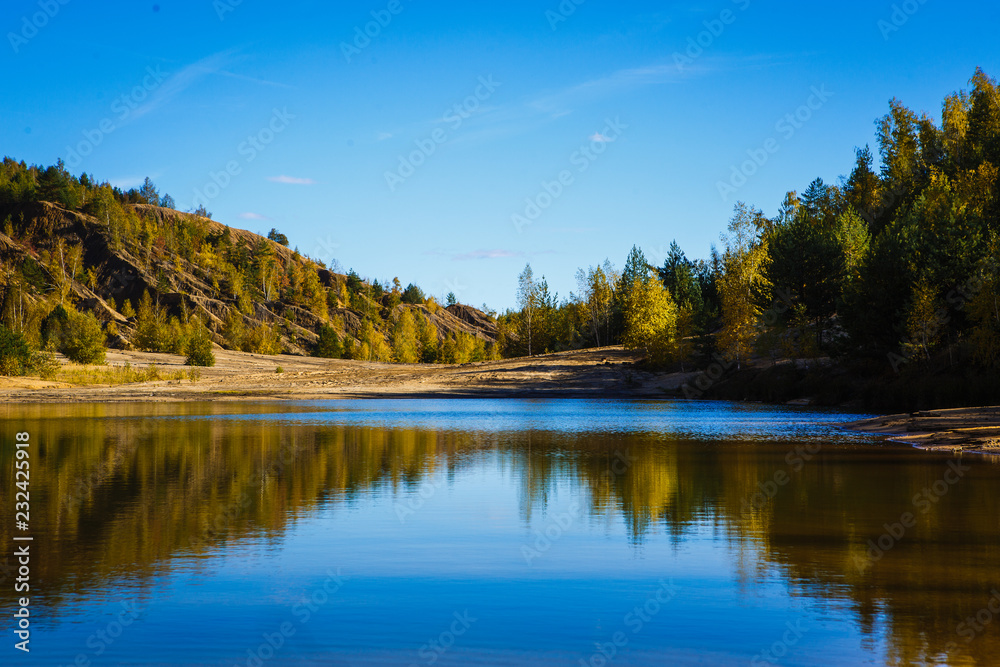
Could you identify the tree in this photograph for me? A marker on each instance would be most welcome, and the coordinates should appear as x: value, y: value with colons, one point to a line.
x: 166, y: 201
x: 451, y: 299
x: 527, y: 299
x: 677, y: 275
x: 651, y: 321
x: 15, y: 355
x: 329, y: 345
x: 277, y: 237
x: 404, y: 339
x: 77, y: 335
x: 923, y: 321
x: 427, y: 335
x: 596, y: 297
x: 150, y: 326
x: 148, y: 193
x: 413, y: 295
x: 742, y: 282
x: 198, y: 346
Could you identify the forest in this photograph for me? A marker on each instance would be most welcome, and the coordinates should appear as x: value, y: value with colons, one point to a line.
x: 894, y: 266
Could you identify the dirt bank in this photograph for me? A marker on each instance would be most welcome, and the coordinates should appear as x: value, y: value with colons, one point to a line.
x: 603, y: 372
x: 960, y: 429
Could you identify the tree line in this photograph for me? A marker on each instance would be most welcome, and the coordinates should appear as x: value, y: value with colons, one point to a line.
x: 897, y: 261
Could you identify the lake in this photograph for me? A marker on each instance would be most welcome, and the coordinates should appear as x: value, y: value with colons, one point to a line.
x: 480, y: 532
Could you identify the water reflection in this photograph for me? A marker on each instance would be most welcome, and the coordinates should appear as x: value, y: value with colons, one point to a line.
x: 118, y: 492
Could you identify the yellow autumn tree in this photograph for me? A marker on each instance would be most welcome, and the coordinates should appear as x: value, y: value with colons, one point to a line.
x: 923, y: 321
x: 743, y: 283
x: 404, y: 339
x: 651, y: 320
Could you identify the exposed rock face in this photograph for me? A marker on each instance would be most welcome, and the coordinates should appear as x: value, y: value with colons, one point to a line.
x: 182, y: 286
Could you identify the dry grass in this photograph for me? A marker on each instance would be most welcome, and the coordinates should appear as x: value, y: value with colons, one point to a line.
x: 86, y: 376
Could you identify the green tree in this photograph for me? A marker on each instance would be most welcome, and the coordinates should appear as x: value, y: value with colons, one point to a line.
x: 278, y: 237
x: 329, y: 345
x: 77, y: 335
x: 198, y: 346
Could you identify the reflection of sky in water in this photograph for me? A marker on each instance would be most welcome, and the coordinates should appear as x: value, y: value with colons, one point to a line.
x: 502, y: 521
x: 696, y: 420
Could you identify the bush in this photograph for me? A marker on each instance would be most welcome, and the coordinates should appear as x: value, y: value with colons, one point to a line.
x: 77, y: 335
x: 15, y: 355
x: 199, y: 345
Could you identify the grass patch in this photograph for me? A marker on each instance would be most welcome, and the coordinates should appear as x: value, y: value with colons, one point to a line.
x: 85, y: 376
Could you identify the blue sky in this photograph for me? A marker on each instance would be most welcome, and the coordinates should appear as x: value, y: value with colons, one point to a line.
x: 282, y: 116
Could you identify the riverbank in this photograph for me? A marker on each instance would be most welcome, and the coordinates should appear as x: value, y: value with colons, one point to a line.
x: 956, y: 430
x: 597, y: 373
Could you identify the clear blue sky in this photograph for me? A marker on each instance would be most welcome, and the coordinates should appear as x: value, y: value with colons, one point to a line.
x: 184, y: 85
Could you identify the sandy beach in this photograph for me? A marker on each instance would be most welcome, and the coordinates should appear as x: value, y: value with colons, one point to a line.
x: 602, y: 372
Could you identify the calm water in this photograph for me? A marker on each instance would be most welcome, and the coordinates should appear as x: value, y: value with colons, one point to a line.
x: 495, y: 532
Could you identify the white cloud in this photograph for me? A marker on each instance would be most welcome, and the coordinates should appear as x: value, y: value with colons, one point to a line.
x: 495, y: 253
x: 291, y: 180
x: 253, y: 216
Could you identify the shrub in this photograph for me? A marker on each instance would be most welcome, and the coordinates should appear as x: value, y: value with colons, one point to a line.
x: 77, y: 335
x: 199, y: 345
x: 15, y: 355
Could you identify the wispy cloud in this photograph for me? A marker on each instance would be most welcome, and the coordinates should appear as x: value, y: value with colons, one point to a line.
x: 291, y: 180
x: 213, y: 65
x: 599, y: 138
x: 488, y: 254
x: 382, y: 136
x: 127, y: 182
x: 253, y: 216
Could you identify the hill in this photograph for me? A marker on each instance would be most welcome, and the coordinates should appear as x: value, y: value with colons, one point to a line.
x: 150, y: 274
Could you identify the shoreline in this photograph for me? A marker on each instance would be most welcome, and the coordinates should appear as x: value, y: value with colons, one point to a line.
x: 594, y: 373
x: 958, y: 430
x: 601, y: 373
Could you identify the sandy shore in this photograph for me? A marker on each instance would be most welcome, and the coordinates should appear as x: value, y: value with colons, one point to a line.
x: 603, y: 372
x: 959, y: 430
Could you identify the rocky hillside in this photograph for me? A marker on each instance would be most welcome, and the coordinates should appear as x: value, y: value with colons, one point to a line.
x: 103, y: 259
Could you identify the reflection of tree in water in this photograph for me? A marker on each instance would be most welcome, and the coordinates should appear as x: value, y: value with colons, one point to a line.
x: 115, y: 497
